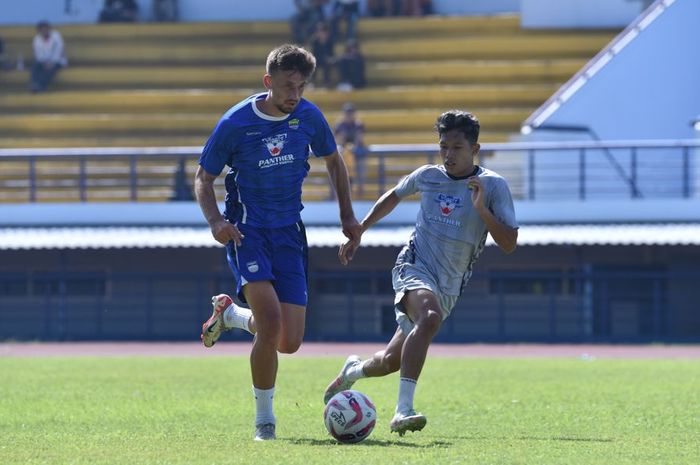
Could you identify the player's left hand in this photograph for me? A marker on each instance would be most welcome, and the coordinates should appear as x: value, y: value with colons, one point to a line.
x: 477, y: 189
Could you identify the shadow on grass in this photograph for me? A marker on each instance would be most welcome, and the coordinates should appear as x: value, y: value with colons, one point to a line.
x: 367, y: 443
x: 534, y: 438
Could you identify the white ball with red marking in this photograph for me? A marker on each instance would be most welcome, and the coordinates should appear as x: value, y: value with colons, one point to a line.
x: 350, y: 416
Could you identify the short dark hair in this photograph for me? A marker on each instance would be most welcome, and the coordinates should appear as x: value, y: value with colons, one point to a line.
x: 289, y: 57
x: 43, y: 23
x: 460, y: 120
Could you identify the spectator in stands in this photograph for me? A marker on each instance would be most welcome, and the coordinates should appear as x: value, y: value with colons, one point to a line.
x: 49, y: 56
x: 165, y: 10
x: 379, y: 8
x: 3, y: 64
x: 119, y: 11
x: 266, y: 140
x: 351, y: 67
x: 321, y: 44
x: 417, y: 7
x: 461, y: 204
x: 349, y: 12
x: 349, y: 134
x: 303, y: 22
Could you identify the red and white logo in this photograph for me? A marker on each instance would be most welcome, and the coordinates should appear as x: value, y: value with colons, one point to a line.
x: 448, y: 203
x: 275, y: 144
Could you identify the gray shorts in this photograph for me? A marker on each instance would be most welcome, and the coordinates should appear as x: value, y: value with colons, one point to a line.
x: 410, y: 276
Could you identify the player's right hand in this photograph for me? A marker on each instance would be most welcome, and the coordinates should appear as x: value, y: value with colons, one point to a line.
x: 224, y: 232
x: 347, y: 250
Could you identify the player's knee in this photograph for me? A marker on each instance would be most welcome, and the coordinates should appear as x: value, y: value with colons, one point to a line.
x: 270, y: 330
x: 289, y: 347
x: 430, y: 323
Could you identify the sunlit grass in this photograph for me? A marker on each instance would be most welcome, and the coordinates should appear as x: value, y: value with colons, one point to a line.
x: 200, y: 411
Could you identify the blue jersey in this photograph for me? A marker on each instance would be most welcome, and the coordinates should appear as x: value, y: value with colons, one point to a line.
x: 268, y: 160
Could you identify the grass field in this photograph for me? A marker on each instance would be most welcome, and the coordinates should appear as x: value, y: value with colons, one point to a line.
x: 480, y: 411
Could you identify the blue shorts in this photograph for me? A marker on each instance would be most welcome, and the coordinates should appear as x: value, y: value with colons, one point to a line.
x: 278, y: 255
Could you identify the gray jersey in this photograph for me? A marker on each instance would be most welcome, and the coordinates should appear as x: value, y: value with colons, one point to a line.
x: 450, y: 234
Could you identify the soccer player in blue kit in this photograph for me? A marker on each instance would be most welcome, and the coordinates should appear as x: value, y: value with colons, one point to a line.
x: 265, y: 141
x: 460, y: 204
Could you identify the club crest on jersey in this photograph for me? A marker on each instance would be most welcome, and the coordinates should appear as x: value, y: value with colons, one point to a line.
x: 294, y: 123
x: 275, y: 143
x: 448, y: 203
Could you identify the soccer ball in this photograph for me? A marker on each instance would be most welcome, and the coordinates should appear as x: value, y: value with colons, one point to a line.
x: 350, y: 416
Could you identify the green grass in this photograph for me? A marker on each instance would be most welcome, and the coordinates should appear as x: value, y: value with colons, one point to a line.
x: 200, y: 411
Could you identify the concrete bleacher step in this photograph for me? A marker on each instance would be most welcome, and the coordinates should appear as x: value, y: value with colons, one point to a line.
x: 270, y: 30
x: 395, y: 28
x: 218, y: 101
x: 70, y: 140
x: 378, y: 74
x: 196, y: 123
x: 552, y: 45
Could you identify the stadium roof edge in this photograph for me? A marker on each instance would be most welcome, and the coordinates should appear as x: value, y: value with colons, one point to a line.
x: 160, y: 237
x: 605, y: 211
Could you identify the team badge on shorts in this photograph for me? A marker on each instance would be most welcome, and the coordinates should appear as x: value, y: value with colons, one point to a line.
x: 253, y: 267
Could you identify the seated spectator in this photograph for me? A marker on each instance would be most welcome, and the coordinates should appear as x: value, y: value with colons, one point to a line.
x: 321, y: 45
x: 349, y: 134
x: 351, y: 67
x: 418, y: 7
x: 378, y: 8
x: 165, y: 10
x: 303, y: 22
x: 119, y: 11
x: 49, y: 56
x: 348, y: 11
x: 3, y: 64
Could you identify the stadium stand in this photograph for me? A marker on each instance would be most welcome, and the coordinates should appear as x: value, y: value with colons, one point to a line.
x: 144, y: 85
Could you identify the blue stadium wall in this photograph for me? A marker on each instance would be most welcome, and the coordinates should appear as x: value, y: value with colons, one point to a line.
x: 538, y: 293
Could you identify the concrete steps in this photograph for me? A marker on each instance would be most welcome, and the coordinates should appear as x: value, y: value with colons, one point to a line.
x: 235, y: 77
x: 167, y: 85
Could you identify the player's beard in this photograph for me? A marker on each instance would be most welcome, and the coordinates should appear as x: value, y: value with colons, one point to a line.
x: 287, y: 108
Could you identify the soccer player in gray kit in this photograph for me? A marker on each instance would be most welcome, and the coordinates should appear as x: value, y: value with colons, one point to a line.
x: 460, y: 204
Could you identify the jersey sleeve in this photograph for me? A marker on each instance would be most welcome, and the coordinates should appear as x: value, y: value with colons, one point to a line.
x: 323, y: 142
x: 219, y: 148
x: 409, y: 184
x: 502, y: 204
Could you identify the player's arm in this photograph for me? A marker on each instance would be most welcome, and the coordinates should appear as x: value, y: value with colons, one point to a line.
x: 222, y: 230
x: 382, y: 207
x: 338, y: 174
x: 505, y: 237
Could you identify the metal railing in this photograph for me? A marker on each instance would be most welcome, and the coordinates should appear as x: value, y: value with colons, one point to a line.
x: 534, y: 170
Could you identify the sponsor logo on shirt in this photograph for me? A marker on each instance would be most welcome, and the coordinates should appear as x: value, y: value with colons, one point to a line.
x: 448, y: 203
x: 275, y: 144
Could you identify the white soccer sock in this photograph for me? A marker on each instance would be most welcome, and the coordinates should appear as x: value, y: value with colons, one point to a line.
x: 356, y: 372
x: 237, y: 317
x: 407, y: 388
x: 263, y: 406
